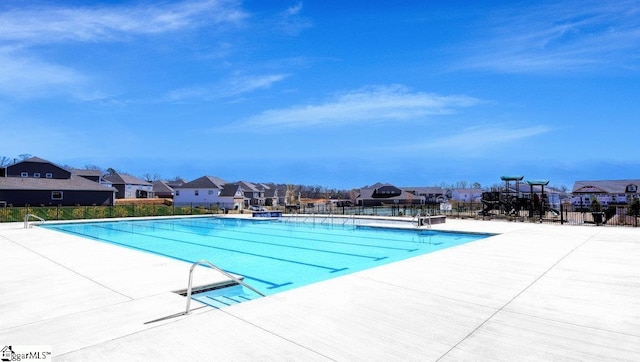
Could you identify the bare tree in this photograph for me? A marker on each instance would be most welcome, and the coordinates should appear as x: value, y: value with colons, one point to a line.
x: 93, y: 167
x: 24, y: 156
x: 4, y: 161
x: 151, y: 178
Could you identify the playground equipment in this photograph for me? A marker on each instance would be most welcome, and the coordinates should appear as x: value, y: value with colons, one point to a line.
x: 512, y: 201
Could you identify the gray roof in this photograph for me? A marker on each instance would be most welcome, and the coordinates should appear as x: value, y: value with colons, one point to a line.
x: 122, y: 179
x: 248, y: 186
x: 75, y: 183
x: 204, y: 182
x: 79, y: 172
x: 161, y: 187
x: 425, y: 190
x: 229, y: 190
x: 605, y: 186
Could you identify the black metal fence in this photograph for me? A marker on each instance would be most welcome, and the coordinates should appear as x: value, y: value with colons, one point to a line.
x: 16, y: 214
x: 612, y: 216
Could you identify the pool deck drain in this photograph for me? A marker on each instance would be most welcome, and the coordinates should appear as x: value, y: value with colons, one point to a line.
x: 532, y: 292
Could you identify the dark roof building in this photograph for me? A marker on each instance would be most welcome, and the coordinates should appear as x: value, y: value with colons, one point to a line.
x: 162, y: 190
x: 130, y: 187
x: 35, y: 181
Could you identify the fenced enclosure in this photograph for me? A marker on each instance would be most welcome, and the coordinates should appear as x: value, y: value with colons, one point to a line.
x: 612, y: 216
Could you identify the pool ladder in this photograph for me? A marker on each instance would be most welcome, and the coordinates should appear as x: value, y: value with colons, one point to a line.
x: 230, y: 276
x: 424, y: 220
x: 28, y: 216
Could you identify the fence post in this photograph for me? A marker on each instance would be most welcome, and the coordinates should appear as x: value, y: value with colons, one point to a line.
x: 561, y: 214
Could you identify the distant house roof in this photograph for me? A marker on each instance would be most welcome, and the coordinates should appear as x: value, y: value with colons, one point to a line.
x: 175, y: 183
x: 75, y: 183
x: 230, y: 190
x: 607, y: 186
x: 123, y: 179
x: 204, y: 182
x: 425, y: 190
x: 248, y: 186
x: 33, y: 160
x: 160, y: 188
x: 90, y: 173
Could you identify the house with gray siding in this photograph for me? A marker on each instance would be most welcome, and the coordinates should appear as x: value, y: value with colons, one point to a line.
x: 130, y: 187
x: 607, y: 192
x: 204, y: 190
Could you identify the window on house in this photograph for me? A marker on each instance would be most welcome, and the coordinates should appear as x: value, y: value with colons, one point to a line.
x: 177, y: 192
x: 48, y: 175
x: 56, y: 195
x: 36, y: 174
x: 196, y: 192
x: 210, y: 192
x: 24, y: 174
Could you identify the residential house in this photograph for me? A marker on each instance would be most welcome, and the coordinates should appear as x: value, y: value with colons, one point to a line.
x: 271, y: 195
x: 466, y: 195
x: 204, y: 190
x: 232, y: 197
x: 607, y: 192
x: 175, y: 182
x: 130, y: 187
x: 162, y: 190
x: 35, y: 181
x: 254, y: 194
x: 92, y: 175
x: 432, y: 195
x: 386, y: 194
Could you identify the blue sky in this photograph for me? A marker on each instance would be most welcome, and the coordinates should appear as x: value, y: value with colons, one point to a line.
x: 338, y: 94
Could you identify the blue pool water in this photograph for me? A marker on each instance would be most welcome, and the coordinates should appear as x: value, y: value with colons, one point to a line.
x: 272, y: 255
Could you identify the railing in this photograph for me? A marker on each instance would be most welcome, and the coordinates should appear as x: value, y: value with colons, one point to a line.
x: 232, y: 277
x: 26, y: 220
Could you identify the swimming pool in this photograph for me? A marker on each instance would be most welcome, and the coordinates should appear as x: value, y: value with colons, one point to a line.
x: 272, y: 255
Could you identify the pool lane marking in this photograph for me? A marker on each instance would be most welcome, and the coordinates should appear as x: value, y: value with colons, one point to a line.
x: 312, y: 239
x: 217, y: 248
x: 273, y: 285
x: 266, y: 226
x: 375, y: 258
x: 298, y: 238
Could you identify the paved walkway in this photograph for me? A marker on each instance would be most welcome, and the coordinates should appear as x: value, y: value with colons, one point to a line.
x: 533, y: 292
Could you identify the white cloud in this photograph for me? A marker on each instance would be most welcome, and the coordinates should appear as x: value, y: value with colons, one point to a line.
x: 559, y: 37
x: 25, y: 77
x: 36, y: 25
x: 479, y: 138
x: 388, y: 103
x: 233, y: 87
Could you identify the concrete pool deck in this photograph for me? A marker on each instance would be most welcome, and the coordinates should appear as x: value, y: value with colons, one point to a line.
x: 532, y: 292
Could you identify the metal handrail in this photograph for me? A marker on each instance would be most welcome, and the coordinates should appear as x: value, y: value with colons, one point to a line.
x: 205, y: 262
x: 26, y: 220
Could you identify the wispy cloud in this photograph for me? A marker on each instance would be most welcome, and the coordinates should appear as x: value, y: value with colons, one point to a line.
x: 26, y: 77
x: 560, y: 36
x: 370, y: 104
x: 230, y: 88
x: 29, y: 73
x: 46, y: 24
x: 291, y: 21
x: 478, y: 138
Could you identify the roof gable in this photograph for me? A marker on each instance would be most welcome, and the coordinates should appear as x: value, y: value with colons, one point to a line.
x: 204, y: 182
x: 124, y: 179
